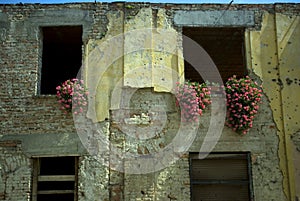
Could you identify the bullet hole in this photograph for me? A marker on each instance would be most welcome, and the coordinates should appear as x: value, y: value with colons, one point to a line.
x: 160, y: 58
x: 269, y: 71
x: 296, y: 105
x: 273, y: 80
x: 288, y: 81
x: 269, y: 62
x: 289, y: 42
x: 142, y: 192
x: 276, y: 68
x: 279, y: 82
x: 274, y: 181
x: 255, y: 64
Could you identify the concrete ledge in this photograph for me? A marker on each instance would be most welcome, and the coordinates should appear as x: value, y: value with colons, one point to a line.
x: 236, y: 18
x: 46, y: 144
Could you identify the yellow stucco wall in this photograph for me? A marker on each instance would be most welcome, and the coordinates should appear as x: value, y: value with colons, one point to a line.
x: 148, y: 55
x: 273, y: 54
x: 288, y: 43
x: 104, y: 67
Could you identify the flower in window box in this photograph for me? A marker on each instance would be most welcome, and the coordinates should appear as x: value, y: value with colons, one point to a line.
x: 243, y: 98
x: 72, y: 95
x: 192, y: 98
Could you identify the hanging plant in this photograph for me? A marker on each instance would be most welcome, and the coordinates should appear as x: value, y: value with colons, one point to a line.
x: 192, y: 98
x: 203, y: 93
x: 72, y: 95
x: 243, y: 98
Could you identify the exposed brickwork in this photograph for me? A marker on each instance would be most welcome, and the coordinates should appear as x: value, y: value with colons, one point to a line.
x: 15, y: 172
x: 9, y: 143
x: 24, y: 111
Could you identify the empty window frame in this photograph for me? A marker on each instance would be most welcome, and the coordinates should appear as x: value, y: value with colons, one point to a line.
x: 61, y: 56
x: 55, y: 178
x: 221, y: 177
x: 224, y: 45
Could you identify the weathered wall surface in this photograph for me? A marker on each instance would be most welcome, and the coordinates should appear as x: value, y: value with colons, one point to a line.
x: 15, y: 172
x: 28, y: 116
x: 93, y: 180
x: 288, y: 34
x: 23, y: 110
x: 273, y: 51
x: 272, y: 44
x: 296, y: 161
x: 267, y: 176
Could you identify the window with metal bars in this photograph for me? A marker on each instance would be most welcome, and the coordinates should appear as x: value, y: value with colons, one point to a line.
x: 221, y: 177
x: 225, y: 46
x: 55, y: 178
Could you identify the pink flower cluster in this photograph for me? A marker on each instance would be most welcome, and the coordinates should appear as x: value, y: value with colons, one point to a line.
x: 72, y: 94
x: 192, y: 98
x: 243, y: 98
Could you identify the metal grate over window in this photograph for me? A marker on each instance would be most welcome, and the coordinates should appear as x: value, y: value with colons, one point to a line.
x: 221, y: 177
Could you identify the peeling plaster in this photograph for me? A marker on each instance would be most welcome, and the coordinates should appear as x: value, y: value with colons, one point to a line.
x: 154, y: 65
x: 273, y: 53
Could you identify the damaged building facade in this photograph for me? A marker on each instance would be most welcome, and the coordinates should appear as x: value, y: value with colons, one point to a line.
x: 130, y: 144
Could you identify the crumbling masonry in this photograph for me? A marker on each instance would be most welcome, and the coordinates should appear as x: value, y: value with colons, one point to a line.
x: 33, y: 129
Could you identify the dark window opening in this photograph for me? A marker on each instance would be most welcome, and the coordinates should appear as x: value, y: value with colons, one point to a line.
x: 224, y: 45
x: 221, y: 177
x: 63, y: 197
x: 48, y: 166
x: 62, y: 56
x: 56, y: 185
x: 55, y: 178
